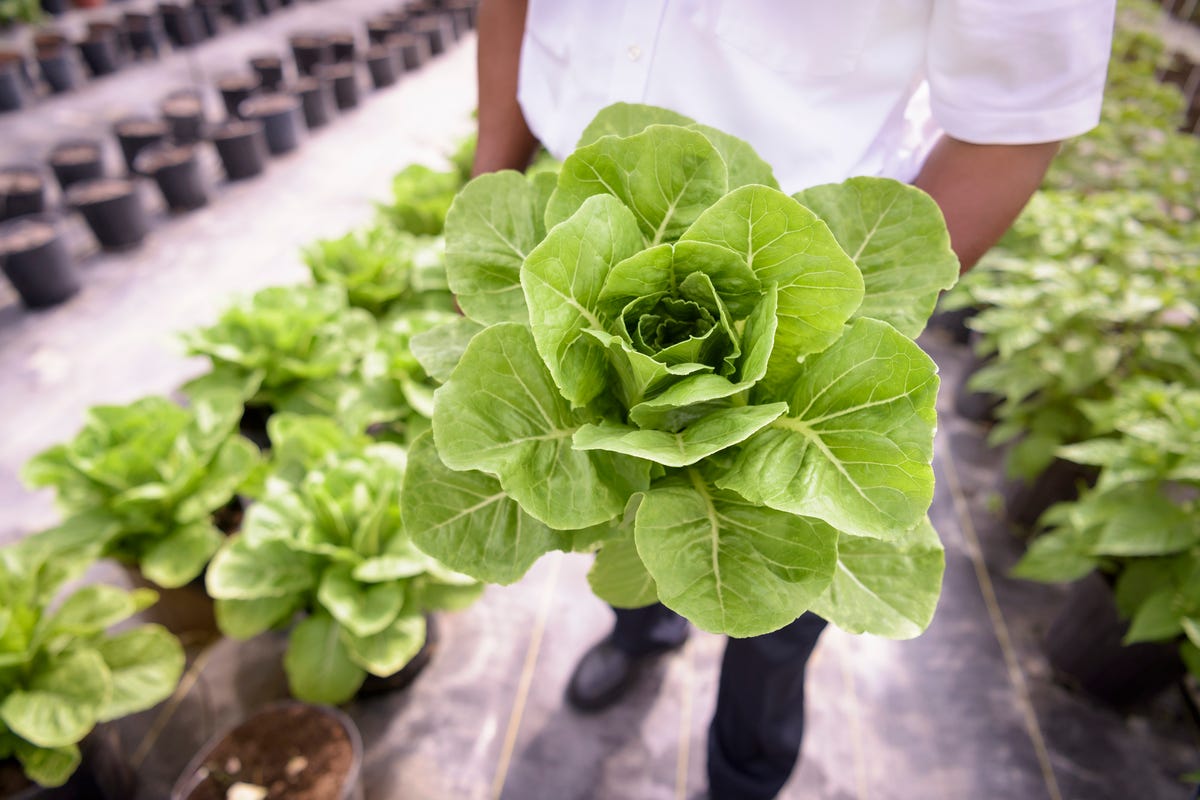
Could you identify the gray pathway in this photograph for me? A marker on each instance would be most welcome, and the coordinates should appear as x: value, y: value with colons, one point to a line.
x: 966, y: 711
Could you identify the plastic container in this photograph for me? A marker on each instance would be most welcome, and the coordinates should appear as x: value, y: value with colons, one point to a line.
x: 113, y: 210
x: 37, y: 262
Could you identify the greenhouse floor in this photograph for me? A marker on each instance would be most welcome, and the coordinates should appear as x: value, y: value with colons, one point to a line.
x: 968, y: 710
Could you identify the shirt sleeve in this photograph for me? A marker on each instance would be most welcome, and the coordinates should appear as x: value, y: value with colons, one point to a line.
x: 1018, y: 71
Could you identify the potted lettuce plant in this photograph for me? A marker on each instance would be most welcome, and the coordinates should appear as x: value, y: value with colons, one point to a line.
x: 714, y: 380
x: 61, y: 671
x: 327, y: 542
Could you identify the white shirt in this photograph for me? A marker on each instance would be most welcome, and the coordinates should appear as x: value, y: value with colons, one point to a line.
x: 823, y: 89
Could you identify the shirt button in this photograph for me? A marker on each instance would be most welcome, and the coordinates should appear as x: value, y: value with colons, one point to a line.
x: 635, y: 52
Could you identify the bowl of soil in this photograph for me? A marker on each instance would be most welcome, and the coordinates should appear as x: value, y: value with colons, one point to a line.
x: 135, y: 134
x: 383, y: 64
x: 344, y: 78
x: 310, y: 51
x: 269, y: 69
x: 58, y: 68
x: 316, y: 100
x: 184, y: 112
x: 37, y: 262
x: 235, y: 89
x: 290, y: 750
x: 242, y: 146
x: 280, y: 117
x: 22, y: 191
x: 176, y: 170
x: 113, y: 210
x: 12, y: 80
x: 76, y: 160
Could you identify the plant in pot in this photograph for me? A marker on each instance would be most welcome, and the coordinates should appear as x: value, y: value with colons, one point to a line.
x: 62, y: 673
x: 334, y: 549
x: 1139, y: 527
x: 421, y: 196
x: 152, y: 479
x: 286, y: 349
x: 683, y: 365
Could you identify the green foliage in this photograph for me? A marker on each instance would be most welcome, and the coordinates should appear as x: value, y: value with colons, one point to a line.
x: 60, y: 671
x: 669, y: 357
x: 421, y: 196
x: 11, y: 11
x: 326, y: 540
x: 144, y: 479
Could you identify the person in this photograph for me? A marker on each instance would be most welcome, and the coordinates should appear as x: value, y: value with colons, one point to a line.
x: 966, y: 99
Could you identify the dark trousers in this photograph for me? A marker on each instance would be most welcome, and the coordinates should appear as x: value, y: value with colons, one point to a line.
x: 754, y: 738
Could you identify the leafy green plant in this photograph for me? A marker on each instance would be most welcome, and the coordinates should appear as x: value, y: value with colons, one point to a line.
x: 381, y: 268
x: 326, y: 540
x: 1141, y: 522
x: 667, y: 355
x: 147, y: 477
x: 421, y: 196
x: 61, y: 673
x: 11, y: 11
x: 291, y: 348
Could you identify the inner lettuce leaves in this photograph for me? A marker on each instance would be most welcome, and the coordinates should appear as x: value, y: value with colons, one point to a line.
x: 714, y: 383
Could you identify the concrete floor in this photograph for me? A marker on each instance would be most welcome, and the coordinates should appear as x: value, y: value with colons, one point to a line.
x: 969, y: 710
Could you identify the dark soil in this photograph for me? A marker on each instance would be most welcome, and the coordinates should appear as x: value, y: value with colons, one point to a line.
x: 12, y: 779
x: 234, y: 83
x: 235, y: 128
x: 183, y: 105
x: 19, y: 182
x: 228, y: 518
x: 266, y: 62
x: 21, y: 236
x: 141, y: 127
x: 158, y: 157
x: 49, y: 41
x: 99, y: 190
x: 268, y: 105
x: 307, y: 41
x: 9, y: 60
x: 294, y: 752
x: 75, y: 154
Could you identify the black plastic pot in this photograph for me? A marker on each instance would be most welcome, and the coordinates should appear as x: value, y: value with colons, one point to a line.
x: 137, y: 133
x: 104, y: 773
x: 343, y: 46
x: 280, y: 118
x: 287, y: 724
x: 344, y: 78
x: 37, y: 262
x: 182, y: 23
x: 379, y: 29
x: 76, y: 160
x: 58, y: 69
x: 210, y: 16
x: 176, y: 170
x: 1084, y: 646
x: 113, y: 210
x: 184, y: 113
x: 413, y: 50
x: 382, y: 63
x: 101, y: 53
x: 241, y: 11
x: 144, y: 34
x: 55, y: 7
x: 463, y: 16
x: 22, y: 192
x: 12, y: 82
x: 316, y: 101
x: 235, y: 90
x: 268, y: 7
x: 269, y: 70
x: 374, y: 685
x: 310, y: 52
x: 435, y: 29
x: 1025, y: 502
x: 242, y: 146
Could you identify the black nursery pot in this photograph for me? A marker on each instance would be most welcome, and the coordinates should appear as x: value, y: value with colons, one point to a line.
x: 101, y: 52
x: 113, y: 210
x: 143, y: 32
x: 242, y: 11
x: 184, y: 113
x: 235, y: 90
x: 58, y: 69
x: 12, y: 81
x: 136, y: 134
x: 379, y: 29
x: 176, y: 170
x: 315, y: 101
x: 268, y: 7
x: 22, y: 192
x: 413, y: 50
x: 76, y: 160
x: 1025, y: 502
x: 55, y: 7
x: 182, y: 23
x: 343, y: 46
x: 242, y: 147
x: 37, y: 262
x: 210, y: 16
x: 270, y: 71
x: 382, y: 64
x: 310, y: 52
x: 435, y: 29
x: 344, y: 78
x: 280, y: 118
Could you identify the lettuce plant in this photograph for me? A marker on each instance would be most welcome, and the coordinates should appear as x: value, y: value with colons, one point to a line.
x: 61, y: 673
x: 331, y: 545
x: 381, y: 268
x: 421, y: 196
x: 291, y: 348
x: 1141, y: 522
x: 147, y: 477
x: 715, y: 381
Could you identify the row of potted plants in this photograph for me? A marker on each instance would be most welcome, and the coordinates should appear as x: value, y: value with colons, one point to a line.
x: 305, y: 535
x: 1087, y: 328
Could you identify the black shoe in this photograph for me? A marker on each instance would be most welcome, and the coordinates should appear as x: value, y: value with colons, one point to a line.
x: 605, y: 673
